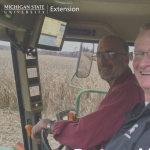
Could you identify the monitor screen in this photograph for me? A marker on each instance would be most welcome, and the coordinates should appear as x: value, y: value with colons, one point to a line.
x: 49, y: 32
x: 52, y: 32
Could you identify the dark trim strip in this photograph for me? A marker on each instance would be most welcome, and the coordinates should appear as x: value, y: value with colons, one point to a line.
x: 19, y: 95
x: 81, y: 40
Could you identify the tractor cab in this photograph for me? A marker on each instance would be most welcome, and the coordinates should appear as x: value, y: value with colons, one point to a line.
x: 47, y: 54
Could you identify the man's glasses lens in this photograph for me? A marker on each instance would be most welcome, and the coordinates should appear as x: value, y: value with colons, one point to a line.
x: 140, y: 55
x: 107, y: 55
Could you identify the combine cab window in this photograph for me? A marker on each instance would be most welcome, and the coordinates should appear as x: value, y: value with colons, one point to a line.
x: 10, y: 126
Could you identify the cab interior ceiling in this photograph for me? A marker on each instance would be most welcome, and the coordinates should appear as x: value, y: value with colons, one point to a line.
x: 123, y: 16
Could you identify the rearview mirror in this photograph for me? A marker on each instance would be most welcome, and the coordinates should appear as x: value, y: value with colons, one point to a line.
x: 85, y: 60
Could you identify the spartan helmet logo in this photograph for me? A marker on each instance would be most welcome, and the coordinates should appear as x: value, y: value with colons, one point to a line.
x: 133, y: 128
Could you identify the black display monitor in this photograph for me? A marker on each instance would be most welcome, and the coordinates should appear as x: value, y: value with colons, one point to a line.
x: 49, y: 32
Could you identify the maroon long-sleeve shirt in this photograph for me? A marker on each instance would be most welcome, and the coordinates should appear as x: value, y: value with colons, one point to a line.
x: 100, y: 126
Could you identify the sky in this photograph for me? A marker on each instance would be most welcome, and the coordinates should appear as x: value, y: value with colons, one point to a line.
x: 4, y: 43
x: 69, y: 46
x: 72, y: 46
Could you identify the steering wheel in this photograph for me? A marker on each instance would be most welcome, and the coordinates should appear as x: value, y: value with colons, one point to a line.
x: 43, y: 136
x: 72, y: 117
x: 45, y: 141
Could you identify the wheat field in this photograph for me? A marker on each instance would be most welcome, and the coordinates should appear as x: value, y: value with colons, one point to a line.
x: 57, y: 95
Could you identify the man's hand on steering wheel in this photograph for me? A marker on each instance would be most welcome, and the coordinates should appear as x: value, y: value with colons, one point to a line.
x: 36, y: 130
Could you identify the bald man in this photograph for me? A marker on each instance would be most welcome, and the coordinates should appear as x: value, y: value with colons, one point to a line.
x: 97, y: 128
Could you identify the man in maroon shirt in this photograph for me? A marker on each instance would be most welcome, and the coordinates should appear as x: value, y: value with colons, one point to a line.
x: 96, y: 129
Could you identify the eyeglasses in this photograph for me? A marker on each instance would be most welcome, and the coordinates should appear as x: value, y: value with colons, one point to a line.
x: 107, y: 55
x: 139, y: 55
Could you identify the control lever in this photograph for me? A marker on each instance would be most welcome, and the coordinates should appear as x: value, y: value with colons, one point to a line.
x: 72, y: 116
x: 29, y: 128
